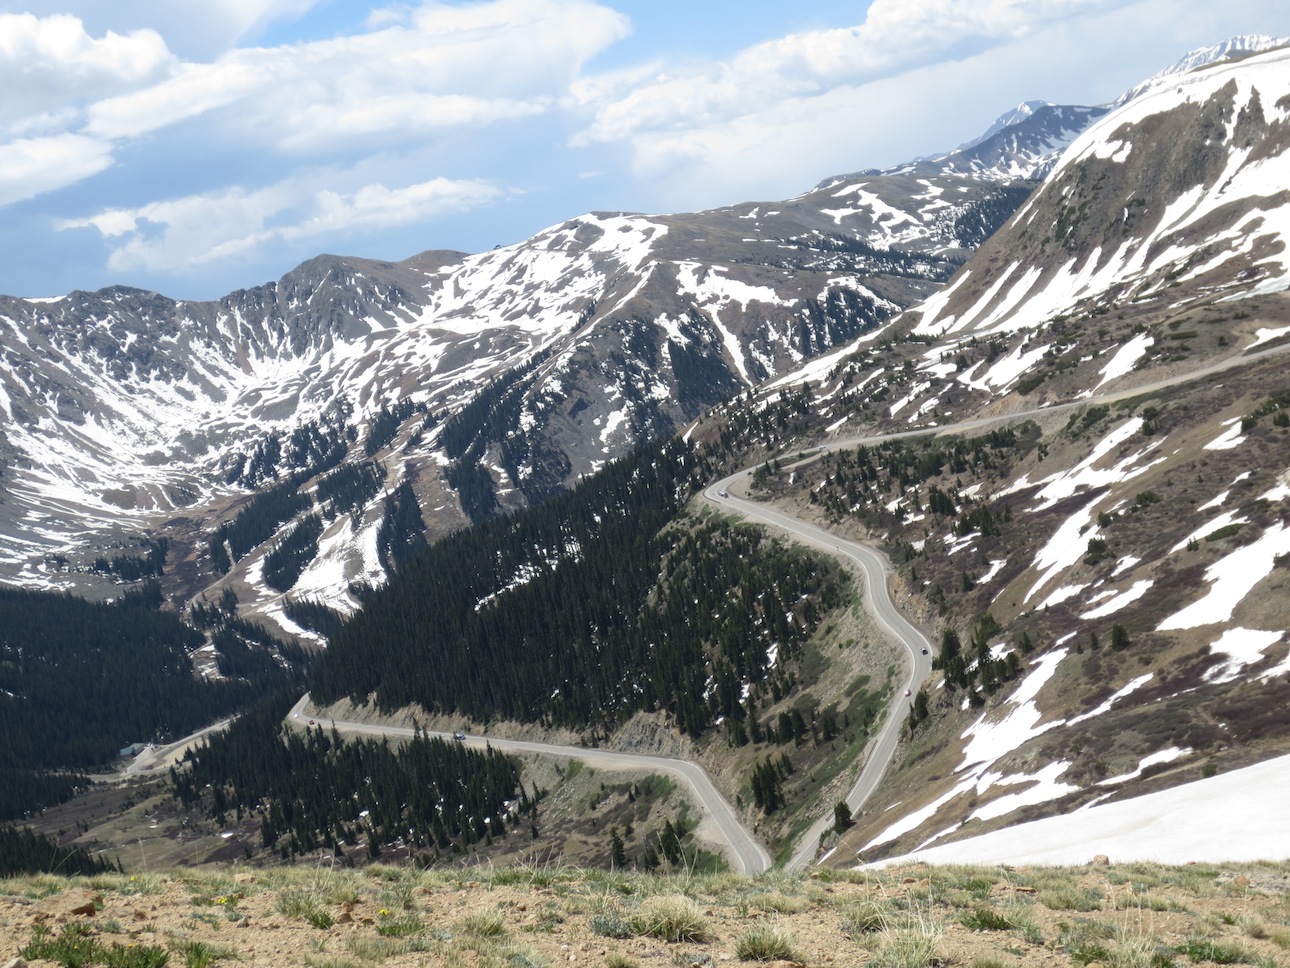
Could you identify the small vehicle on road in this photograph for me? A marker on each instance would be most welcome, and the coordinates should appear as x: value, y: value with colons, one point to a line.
x: 459, y: 737
x: 907, y: 692
x: 723, y: 493
x: 924, y: 652
x: 311, y: 722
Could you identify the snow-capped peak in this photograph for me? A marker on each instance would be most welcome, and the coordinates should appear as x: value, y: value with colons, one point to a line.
x: 1204, y: 56
x: 1024, y: 110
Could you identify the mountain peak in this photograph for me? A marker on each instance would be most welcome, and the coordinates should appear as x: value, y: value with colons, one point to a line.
x: 1234, y: 47
x: 1024, y: 110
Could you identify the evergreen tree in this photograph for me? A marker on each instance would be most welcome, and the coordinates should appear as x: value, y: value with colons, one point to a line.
x: 841, y: 817
x: 617, y: 850
x: 1119, y: 637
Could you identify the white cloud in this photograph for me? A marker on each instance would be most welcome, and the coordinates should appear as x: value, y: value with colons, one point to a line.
x: 378, y: 206
x: 47, y: 61
x: 792, y: 142
x: 444, y: 67
x: 181, y: 234
x: 896, y: 35
x: 914, y: 78
x: 438, y: 69
x: 194, y: 90
x: 33, y: 166
x: 384, y: 16
x: 49, y: 68
x: 487, y: 92
x: 321, y: 125
x: 243, y: 17
x: 198, y: 29
x: 184, y: 232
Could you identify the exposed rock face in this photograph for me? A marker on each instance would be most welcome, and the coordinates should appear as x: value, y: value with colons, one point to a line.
x: 125, y: 409
x: 491, y: 380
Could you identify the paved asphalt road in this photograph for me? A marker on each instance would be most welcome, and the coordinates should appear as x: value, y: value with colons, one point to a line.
x: 878, y: 600
x: 154, y: 759
x: 876, y: 567
x: 744, y: 852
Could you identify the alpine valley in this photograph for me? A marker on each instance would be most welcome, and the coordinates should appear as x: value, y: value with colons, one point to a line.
x: 1045, y: 374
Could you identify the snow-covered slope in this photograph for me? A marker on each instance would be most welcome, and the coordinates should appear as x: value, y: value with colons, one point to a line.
x: 1130, y: 552
x: 127, y: 413
x: 1239, y: 816
x: 1233, y: 48
x: 1117, y: 224
x: 1023, y: 144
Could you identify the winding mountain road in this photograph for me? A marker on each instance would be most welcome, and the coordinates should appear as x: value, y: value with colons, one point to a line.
x: 877, y: 568
x: 155, y: 759
x: 878, y: 601
x: 742, y: 849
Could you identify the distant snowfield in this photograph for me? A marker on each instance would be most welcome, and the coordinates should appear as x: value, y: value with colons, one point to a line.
x: 1238, y: 816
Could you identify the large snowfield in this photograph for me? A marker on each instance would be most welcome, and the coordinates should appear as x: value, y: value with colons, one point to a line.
x: 1237, y: 816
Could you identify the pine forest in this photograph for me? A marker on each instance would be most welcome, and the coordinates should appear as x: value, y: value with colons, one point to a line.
x: 587, y: 608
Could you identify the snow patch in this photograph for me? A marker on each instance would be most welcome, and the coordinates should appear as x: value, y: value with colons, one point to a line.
x: 1119, y: 694
x: 1126, y: 357
x: 1205, y: 821
x: 1230, y: 438
x: 994, y: 569
x: 1150, y: 760
x: 1122, y: 600
x: 1231, y: 578
x: 1242, y: 647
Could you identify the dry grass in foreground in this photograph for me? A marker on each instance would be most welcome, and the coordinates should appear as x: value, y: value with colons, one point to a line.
x: 981, y: 917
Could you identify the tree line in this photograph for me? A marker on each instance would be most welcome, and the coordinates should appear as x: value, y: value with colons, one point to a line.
x: 23, y: 851
x: 132, y: 568
x: 81, y: 680
x: 492, y: 419
x: 311, y: 448
x: 314, y: 616
x: 256, y: 523
x: 348, y: 488
x: 288, y: 559
x: 386, y: 424
x: 309, y: 789
x: 561, y: 613
x: 860, y: 481
x: 402, y: 532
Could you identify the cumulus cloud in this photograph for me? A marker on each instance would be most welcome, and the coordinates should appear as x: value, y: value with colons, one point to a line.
x: 317, y: 127
x: 438, y: 67
x: 383, y: 16
x: 194, y: 90
x: 243, y: 17
x: 45, y: 62
x: 412, y: 76
x: 196, y: 29
x: 896, y: 36
x: 50, y: 68
x: 375, y: 206
x: 185, y: 233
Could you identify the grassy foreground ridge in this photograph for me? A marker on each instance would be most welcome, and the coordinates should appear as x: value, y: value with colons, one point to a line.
x: 1112, y: 915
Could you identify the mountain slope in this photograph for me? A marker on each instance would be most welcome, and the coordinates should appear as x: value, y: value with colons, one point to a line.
x: 129, y: 414
x: 482, y: 382
x: 1108, y: 579
x: 1114, y: 226
x: 1106, y: 568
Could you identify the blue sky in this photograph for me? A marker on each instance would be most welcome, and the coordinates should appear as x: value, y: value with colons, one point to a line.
x: 198, y: 147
